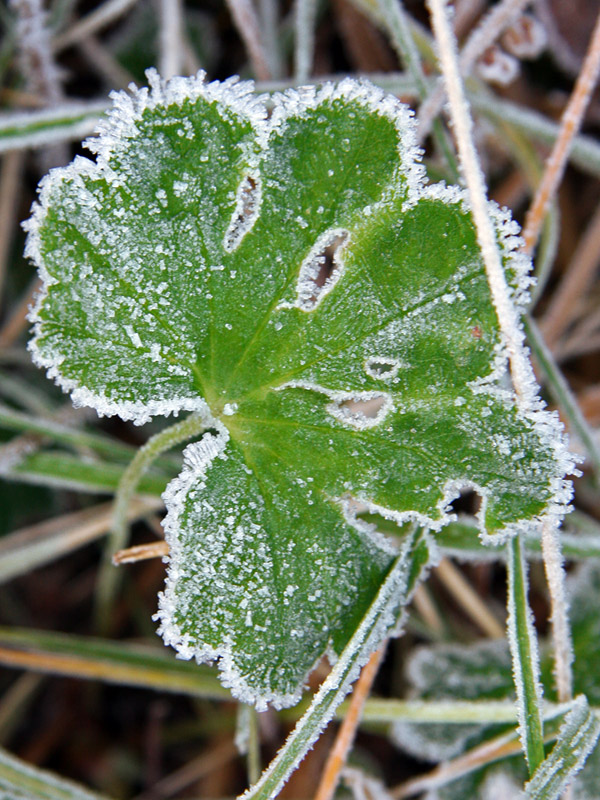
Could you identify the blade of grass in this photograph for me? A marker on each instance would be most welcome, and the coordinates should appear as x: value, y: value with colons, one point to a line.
x: 110, y: 662
x: 66, y: 122
x: 20, y: 779
x: 523, y: 645
x: 396, y: 21
x: 304, y: 19
x: 11, y: 420
x: 68, y: 472
x: 577, y: 738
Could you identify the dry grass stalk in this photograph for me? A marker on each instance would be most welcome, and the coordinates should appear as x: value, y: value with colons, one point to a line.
x: 347, y: 732
x: 564, y: 306
x: 468, y: 599
x: 141, y: 552
x: 92, y: 23
x: 10, y: 178
x: 246, y: 22
x: 570, y: 123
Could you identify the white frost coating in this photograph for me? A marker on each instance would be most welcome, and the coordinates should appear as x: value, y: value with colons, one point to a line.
x: 128, y: 107
x: 546, y: 424
x: 350, y: 509
x: 246, y: 212
x: 310, y: 294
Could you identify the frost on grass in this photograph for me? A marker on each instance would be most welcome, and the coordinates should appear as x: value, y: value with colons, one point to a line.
x: 291, y: 275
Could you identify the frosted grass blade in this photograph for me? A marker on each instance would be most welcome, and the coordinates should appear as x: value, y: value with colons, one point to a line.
x: 22, y: 781
x: 577, y: 738
x: 526, y: 668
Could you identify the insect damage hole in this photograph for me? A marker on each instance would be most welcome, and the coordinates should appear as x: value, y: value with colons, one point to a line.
x: 321, y: 269
x: 381, y: 368
x: 246, y: 211
x: 361, y: 411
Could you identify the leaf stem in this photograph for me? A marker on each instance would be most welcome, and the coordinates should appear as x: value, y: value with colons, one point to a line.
x: 523, y: 645
x: 193, y: 425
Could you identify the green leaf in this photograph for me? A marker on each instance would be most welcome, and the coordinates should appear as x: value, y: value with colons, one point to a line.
x: 292, y: 279
x: 576, y: 740
x: 444, y: 672
x: 383, y: 618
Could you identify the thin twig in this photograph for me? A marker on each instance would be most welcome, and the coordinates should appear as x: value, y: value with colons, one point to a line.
x: 345, y: 737
x: 141, y: 552
x: 482, y: 755
x: 17, y: 322
x: 101, y: 58
x: 425, y: 606
x: 563, y: 307
x: 246, y: 22
x: 570, y: 124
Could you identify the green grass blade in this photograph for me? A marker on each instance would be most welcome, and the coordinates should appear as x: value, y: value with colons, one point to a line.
x: 68, y: 472
x: 21, y: 781
x: 40, y: 128
x: 523, y: 645
x: 577, y: 738
x: 12, y: 420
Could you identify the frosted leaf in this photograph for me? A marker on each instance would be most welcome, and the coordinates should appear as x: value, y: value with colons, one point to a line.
x: 446, y: 671
x: 291, y: 277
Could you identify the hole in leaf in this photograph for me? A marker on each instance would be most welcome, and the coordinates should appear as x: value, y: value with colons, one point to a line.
x: 246, y: 211
x: 321, y: 269
x: 364, y: 411
x: 382, y: 368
